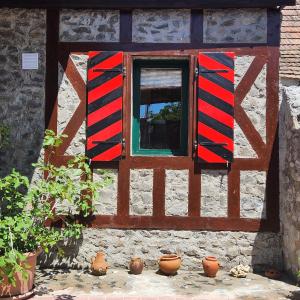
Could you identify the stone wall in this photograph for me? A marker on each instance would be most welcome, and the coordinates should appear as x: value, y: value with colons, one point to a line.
x: 256, y: 249
x: 22, y: 107
x: 290, y: 175
x: 22, y: 97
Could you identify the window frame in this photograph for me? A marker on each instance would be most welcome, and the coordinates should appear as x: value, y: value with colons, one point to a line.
x: 138, y: 64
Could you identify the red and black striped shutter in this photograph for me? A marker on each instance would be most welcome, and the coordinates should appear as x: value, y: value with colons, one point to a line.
x: 215, y: 107
x: 104, y: 105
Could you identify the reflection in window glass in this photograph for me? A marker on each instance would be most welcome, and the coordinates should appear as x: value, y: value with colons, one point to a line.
x: 160, y: 108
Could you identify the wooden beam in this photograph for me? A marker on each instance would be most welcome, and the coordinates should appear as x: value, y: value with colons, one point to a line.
x: 126, y: 4
x: 51, y: 86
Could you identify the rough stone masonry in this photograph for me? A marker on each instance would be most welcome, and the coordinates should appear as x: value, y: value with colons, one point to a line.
x: 22, y: 108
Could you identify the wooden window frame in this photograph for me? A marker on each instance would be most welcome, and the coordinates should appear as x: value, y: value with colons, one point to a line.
x: 138, y: 64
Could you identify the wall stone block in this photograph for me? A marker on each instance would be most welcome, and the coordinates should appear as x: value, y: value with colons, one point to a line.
x: 253, y: 194
x: 176, y: 192
x: 214, y: 187
x: 161, y: 26
x: 235, y: 26
x: 89, y: 25
x: 141, y: 187
x: 107, y: 202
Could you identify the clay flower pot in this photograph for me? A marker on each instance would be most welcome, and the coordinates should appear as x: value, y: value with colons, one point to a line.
x: 136, y: 265
x: 169, y: 264
x: 272, y: 273
x: 98, y: 264
x: 24, y: 287
x: 210, y: 266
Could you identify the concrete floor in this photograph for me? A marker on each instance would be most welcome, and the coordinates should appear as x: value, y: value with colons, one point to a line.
x: 119, y: 285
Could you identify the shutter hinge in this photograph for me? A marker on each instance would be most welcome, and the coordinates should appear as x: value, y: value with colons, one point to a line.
x: 123, y: 143
x: 212, y: 144
x: 124, y: 71
x: 195, y: 144
x: 196, y: 71
x: 213, y: 71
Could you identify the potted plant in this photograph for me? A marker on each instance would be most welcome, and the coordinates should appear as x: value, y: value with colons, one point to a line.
x: 64, y: 194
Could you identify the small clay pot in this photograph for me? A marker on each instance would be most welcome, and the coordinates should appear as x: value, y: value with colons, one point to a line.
x: 169, y: 264
x: 98, y: 264
x: 272, y: 274
x: 210, y: 266
x: 136, y: 265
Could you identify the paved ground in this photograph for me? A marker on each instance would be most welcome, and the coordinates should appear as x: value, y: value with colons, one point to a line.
x: 119, y: 285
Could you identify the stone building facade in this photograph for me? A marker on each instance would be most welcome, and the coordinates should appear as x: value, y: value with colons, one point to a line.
x: 23, y: 101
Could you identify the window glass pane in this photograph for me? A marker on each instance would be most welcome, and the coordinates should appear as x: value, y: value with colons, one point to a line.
x: 160, y: 108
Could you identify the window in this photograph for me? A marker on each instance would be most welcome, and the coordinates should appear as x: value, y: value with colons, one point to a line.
x: 160, y: 107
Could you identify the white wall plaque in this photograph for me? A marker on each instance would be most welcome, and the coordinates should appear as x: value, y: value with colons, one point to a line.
x: 30, y: 61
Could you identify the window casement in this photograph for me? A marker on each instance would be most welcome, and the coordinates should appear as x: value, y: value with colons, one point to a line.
x: 160, y: 107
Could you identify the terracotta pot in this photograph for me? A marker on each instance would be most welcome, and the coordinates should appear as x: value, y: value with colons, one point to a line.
x: 273, y: 274
x: 210, y: 266
x: 136, y: 265
x: 169, y: 264
x: 98, y: 264
x: 24, y: 287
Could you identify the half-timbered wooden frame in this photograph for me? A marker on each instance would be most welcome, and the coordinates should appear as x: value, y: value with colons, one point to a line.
x: 267, y: 152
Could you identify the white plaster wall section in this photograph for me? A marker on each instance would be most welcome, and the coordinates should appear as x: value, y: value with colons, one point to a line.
x: 77, y: 145
x: 254, y: 103
x: 176, y: 192
x: 235, y: 25
x: 214, y: 187
x: 106, y: 204
x: 141, y: 187
x: 253, y: 194
x: 241, y: 66
x: 242, y: 147
x: 161, y: 26
x: 80, y: 62
x: 89, y: 25
x: 68, y: 101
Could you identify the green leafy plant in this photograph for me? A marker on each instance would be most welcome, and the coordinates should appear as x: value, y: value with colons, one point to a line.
x: 64, y: 195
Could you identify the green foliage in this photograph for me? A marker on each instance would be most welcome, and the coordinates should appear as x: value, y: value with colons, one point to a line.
x: 170, y: 112
x: 61, y: 196
x: 4, y: 136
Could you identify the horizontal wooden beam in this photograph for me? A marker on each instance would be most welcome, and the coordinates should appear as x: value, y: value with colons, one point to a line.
x: 183, y: 223
x: 129, y: 4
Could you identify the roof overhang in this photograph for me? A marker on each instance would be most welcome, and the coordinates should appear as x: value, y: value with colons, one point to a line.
x: 130, y: 4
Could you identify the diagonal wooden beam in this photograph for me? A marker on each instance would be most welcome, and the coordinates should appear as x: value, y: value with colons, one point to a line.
x: 78, y: 116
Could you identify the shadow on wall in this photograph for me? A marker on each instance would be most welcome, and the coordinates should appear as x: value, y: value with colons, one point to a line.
x: 290, y: 175
x: 268, y: 244
x: 22, y: 91
x: 62, y: 257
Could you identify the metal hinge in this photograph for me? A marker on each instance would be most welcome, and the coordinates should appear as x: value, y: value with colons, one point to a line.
x: 212, y: 144
x: 214, y: 71
x: 123, y: 70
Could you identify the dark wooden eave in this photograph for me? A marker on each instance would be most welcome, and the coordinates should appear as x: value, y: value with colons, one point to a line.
x: 129, y: 4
